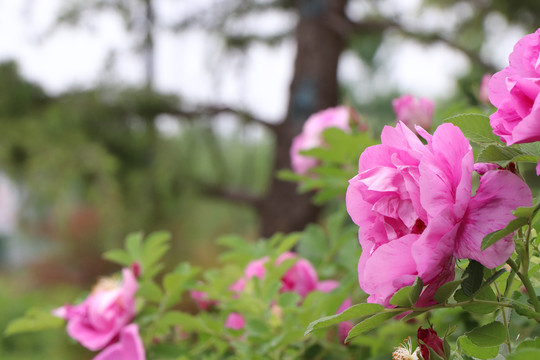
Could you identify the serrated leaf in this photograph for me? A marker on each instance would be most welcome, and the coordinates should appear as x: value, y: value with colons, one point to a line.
x: 369, y: 324
x: 504, y: 155
x: 134, y: 245
x: 355, y: 311
x: 495, y: 236
x: 445, y: 291
x: 491, y: 334
x: 469, y: 348
x: 34, y: 320
x: 472, y: 277
x: 155, y: 246
x: 407, y: 296
x: 118, y: 256
x: 476, y: 127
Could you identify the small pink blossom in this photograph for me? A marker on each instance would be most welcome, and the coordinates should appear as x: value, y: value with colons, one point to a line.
x: 100, y: 317
x: 414, y: 209
x: 339, y: 117
x: 235, y: 321
x: 412, y: 111
x: 130, y: 346
x: 202, y: 299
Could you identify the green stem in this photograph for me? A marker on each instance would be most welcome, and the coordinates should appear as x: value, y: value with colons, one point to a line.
x: 505, y: 321
x: 527, y: 283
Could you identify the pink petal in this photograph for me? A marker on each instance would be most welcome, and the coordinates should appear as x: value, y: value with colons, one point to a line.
x: 499, y: 193
x: 379, y: 279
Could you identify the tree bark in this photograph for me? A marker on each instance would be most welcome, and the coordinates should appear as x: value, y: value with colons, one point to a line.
x: 314, y: 87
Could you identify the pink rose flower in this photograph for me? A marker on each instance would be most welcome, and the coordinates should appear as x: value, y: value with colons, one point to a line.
x: 301, y: 277
x: 414, y: 208
x: 514, y: 92
x: 311, y: 135
x: 130, y: 346
x: 412, y: 111
x: 99, y: 318
x: 483, y: 93
x: 235, y: 321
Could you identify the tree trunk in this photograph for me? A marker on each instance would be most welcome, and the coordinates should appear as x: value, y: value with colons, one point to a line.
x: 314, y: 87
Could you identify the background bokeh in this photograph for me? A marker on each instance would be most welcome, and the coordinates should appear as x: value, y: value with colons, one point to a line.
x: 127, y: 115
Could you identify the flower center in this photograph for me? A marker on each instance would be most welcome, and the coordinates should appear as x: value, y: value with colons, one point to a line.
x: 418, y: 227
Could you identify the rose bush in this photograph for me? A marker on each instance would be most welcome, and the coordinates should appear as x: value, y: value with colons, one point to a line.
x: 414, y: 208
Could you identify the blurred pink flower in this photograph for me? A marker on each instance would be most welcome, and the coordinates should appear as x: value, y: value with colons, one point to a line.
x: 412, y: 111
x: 130, y: 346
x: 413, y: 205
x: 300, y: 278
x: 235, y: 321
x: 202, y: 300
x: 515, y: 91
x: 483, y: 93
x: 100, y: 317
x: 311, y: 136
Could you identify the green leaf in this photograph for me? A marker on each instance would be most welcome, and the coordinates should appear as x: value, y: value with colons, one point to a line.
x: 149, y: 290
x: 525, y: 354
x: 472, y: 277
x: 495, y: 236
x: 445, y: 291
x: 476, y: 127
x: 407, y: 296
x: 369, y: 324
x: 492, y: 334
x: 504, y: 155
x: 287, y: 243
x: 118, y: 256
x: 34, y: 320
x: 526, y: 212
x: 525, y: 310
x: 531, y: 343
x: 186, y: 321
x: 483, y: 294
x: 355, y: 311
x: 155, y: 246
x: 288, y: 299
x: 531, y: 148
x: 173, y: 285
x: 134, y: 245
x: 469, y: 348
